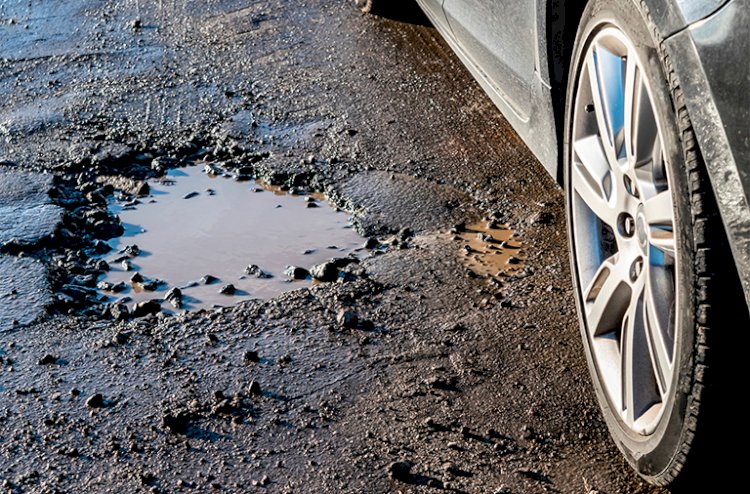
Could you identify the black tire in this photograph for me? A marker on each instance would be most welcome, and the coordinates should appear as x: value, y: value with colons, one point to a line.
x: 687, y: 431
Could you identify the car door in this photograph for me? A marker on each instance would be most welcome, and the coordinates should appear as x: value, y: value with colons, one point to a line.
x: 499, y: 36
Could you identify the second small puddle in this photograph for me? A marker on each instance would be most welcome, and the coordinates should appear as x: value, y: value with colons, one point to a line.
x: 490, y: 250
x: 196, y: 224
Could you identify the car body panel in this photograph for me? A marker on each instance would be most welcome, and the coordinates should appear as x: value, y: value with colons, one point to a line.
x: 694, y: 10
x: 536, y: 125
x: 671, y: 16
x: 499, y: 37
x: 434, y: 9
x: 718, y: 102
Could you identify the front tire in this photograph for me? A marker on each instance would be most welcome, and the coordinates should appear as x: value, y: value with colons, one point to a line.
x: 643, y: 234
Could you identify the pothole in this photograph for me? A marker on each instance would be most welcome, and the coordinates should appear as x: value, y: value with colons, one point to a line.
x: 490, y: 249
x: 220, y: 241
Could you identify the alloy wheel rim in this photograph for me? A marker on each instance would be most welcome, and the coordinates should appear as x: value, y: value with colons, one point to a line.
x: 624, y: 247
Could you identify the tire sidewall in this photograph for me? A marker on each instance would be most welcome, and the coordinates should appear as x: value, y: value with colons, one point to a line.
x: 652, y: 456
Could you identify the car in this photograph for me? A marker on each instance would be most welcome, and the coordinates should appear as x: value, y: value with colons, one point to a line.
x: 640, y: 110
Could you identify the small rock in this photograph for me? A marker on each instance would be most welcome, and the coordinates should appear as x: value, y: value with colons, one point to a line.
x: 212, y: 170
x: 95, y: 401
x: 48, y: 360
x: 342, y: 262
x: 136, y: 278
x: 347, y: 319
x: 460, y: 227
x: 145, y: 308
x: 499, y: 216
x: 131, y: 250
x: 254, y: 270
x: 251, y: 356
x: 119, y: 311
x: 208, y: 280
x: 401, y: 471
x: 105, y: 286
x: 326, y: 271
x: 126, y: 265
x: 151, y: 285
x: 228, y: 289
x: 405, y: 233
x: 541, y: 218
x: 101, y: 265
x: 177, y: 423
x: 174, y: 297
x: 136, y: 24
x: 296, y: 273
x: 372, y: 243
x: 254, y: 388
x: 127, y: 185
x: 101, y: 247
x: 121, y: 337
x: 190, y: 195
x: 312, y: 205
x: 120, y: 286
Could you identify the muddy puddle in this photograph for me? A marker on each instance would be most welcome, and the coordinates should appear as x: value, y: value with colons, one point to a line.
x: 490, y: 249
x: 201, y: 233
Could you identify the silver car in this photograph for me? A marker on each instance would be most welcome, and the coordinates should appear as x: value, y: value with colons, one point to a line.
x: 641, y: 110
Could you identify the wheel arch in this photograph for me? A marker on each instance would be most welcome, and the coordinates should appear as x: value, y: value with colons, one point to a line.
x: 561, y: 24
x: 562, y: 19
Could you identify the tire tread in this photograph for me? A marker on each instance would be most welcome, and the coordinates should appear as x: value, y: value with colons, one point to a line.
x: 710, y: 242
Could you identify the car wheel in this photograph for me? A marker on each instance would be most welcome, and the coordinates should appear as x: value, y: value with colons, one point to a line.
x: 644, y: 236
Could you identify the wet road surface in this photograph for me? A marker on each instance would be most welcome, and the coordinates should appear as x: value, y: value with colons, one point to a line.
x: 418, y: 373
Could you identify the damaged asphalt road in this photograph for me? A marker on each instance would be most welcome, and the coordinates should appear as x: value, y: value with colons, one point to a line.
x: 414, y: 375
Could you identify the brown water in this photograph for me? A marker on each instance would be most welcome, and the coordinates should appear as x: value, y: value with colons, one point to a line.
x: 195, y: 224
x: 491, y: 250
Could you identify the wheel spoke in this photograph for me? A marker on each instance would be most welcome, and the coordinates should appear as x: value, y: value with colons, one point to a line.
x: 660, y: 218
x: 627, y: 370
x: 632, y: 102
x: 659, y: 351
x: 600, y: 66
x: 638, y: 391
x: 658, y: 210
x: 663, y: 240
x: 641, y: 132
x: 591, y: 178
x: 607, y: 296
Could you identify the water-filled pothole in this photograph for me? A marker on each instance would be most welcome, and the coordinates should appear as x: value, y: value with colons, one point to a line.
x: 195, y: 224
